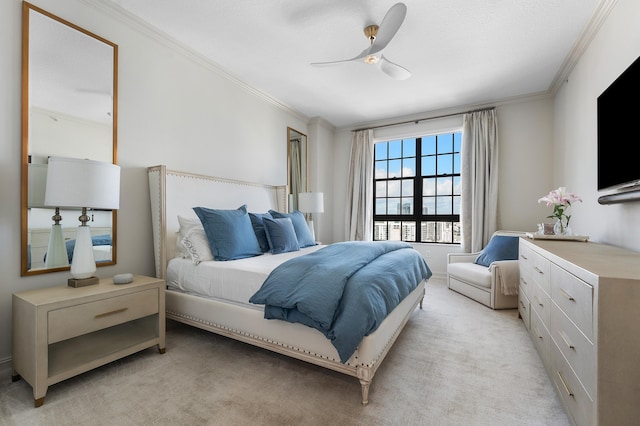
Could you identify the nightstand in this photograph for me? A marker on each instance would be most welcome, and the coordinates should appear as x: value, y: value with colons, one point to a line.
x: 60, y: 332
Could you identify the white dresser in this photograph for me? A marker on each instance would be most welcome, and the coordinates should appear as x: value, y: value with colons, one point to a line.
x: 581, y: 304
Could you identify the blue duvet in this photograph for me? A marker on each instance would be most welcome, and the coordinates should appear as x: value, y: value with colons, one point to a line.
x: 344, y: 290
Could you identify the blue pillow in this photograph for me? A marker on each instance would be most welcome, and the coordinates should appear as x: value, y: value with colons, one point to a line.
x: 305, y: 239
x: 258, y: 228
x: 281, y: 235
x: 229, y: 232
x: 501, y: 247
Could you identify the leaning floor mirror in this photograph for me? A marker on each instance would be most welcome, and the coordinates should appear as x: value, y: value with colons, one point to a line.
x: 69, y: 109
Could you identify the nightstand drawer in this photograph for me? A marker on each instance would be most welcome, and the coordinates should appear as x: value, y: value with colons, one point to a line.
x: 77, y: 320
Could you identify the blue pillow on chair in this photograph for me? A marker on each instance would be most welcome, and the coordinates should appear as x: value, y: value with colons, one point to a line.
x: 501, y: 247
x: 281, y: 235
x: 229, y: 232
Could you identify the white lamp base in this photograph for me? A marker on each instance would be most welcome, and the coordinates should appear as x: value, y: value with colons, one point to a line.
x: 83, y: 264
x: 311, y: 228
x: 56, y: 250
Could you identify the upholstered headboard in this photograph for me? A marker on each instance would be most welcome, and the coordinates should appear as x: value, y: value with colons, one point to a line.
x: 175, y: 193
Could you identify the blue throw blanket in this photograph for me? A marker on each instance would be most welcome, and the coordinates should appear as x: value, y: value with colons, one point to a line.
x: 344, y: 290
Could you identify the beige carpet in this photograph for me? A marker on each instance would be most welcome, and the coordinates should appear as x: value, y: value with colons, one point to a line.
x: 456, y: 363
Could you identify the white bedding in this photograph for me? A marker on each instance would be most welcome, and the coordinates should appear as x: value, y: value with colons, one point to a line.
x: 235, y: 280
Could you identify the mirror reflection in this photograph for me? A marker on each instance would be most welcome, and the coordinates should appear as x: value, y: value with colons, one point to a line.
x: 69, y: 110
x: 296, y: 165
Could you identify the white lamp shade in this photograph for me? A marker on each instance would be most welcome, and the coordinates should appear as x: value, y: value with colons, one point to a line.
x: 311, y: 202
x: 74, y: 182
x: 37, y: 184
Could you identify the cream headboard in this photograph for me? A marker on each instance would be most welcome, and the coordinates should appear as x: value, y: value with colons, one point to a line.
x: 175, y: 193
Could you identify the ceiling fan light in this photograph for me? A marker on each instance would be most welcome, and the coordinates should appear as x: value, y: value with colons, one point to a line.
x: 371, y: 59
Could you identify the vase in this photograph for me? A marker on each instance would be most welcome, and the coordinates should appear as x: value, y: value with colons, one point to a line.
x: 561, y: 227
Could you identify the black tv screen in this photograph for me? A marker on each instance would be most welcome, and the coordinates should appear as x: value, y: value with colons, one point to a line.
x: 618, y: 140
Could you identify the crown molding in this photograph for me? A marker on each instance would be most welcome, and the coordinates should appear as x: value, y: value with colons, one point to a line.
x: 588, y: 33
x: 122, y: 15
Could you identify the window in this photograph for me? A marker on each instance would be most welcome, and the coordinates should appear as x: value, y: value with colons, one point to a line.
x: 417, y: 189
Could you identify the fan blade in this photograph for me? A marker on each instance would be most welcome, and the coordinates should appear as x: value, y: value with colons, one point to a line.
x: 355, y: 59
x: 393, y: 70
x: 389, y: 27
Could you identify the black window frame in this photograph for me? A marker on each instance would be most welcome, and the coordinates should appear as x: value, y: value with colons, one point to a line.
x: 450, y: 219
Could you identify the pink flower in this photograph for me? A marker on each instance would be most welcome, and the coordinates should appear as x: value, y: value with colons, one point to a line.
x: 561, y: 200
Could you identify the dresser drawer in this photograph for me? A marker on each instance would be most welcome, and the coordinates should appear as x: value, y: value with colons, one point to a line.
x: 574, y: 397
x: 575, y: 298
x: 541, y: 304
x: 73, y: 321
x: 524, y: 308
x: 540, y: 267
x: 576, y: 348
x: 541, y: 338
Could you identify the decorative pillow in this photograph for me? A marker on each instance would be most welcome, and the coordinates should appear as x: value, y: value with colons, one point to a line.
x: 501, y: 247
x: 258, y: 228
x: 305, y: 239
x: 229, y: 233
x: 196, y: 244
x: 281, y: 235
x: 186, y: 224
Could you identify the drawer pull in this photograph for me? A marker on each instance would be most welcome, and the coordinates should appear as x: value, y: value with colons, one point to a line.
x: 566, y: 387
x: 523, y: 256
x: 566, y: 340
x: 523, y: 281
x: 106, y: 314
x: 567, y: 295
x: 538, y: 270
x: 538, y: 301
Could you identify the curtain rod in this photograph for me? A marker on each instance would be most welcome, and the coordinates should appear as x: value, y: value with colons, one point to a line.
x: 416, y: 121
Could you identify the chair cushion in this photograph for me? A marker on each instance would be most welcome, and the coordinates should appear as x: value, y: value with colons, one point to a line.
x: 501, y: 247
x: 471, y: 272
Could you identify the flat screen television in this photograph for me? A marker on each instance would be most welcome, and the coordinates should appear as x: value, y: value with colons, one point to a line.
x: 618, y: 139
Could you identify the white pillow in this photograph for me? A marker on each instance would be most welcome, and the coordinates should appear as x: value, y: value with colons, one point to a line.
x: 192, y: 241
x: 186, y: 223
x: 197, y: 245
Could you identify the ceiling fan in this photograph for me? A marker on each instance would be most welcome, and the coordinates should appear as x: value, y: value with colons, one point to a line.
x: 380, y: 36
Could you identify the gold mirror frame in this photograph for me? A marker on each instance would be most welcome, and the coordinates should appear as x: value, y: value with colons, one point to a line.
x: 30, y: 189
x: 297, y: 165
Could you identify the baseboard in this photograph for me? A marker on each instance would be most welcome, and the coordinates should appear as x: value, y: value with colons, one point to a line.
x: 5, y: 368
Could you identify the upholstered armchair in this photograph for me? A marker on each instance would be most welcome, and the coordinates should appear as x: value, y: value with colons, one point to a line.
x: 491, y: 276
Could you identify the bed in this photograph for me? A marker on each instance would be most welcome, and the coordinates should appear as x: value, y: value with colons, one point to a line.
x: 173, y: 195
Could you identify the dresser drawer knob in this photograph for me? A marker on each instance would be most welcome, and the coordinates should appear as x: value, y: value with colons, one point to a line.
x: 567, y: 295
x: 538, y: 270
x: 566, y: 340
x: 106, y: 314
x: 566, y: 387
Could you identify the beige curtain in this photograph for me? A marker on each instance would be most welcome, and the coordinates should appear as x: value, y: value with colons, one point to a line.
x: 359, y: 203
x: 479, y: 176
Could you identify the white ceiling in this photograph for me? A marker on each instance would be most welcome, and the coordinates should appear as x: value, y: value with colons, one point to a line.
x: 460, y: 52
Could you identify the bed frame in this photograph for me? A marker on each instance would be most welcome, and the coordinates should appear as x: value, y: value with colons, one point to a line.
x: 173, y: 193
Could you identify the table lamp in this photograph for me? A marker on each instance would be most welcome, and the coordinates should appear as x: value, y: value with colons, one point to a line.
x: 86, y: 184
x: 311, y: 202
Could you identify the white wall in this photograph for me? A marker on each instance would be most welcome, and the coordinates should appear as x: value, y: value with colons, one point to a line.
x: 174, y: 109
x: 614, y: 48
